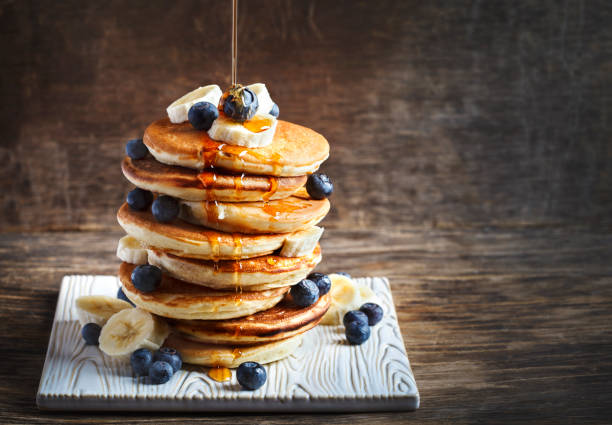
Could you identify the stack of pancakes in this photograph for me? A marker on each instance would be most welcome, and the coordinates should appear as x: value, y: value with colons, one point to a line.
x: 246, y: 233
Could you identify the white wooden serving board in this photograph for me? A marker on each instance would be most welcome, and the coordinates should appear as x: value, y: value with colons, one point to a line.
x: 324, y: 374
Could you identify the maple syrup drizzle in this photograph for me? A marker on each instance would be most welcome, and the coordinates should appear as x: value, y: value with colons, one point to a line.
x: 257, y: 124
x: 239, y: 183
x: 208, y: 178
x: 236, y: 353
x: 212, y: 211
x: 215, y: 246
x: 272, y: 188
x: 284, y: 206
x: 220, y: 373
x: 237, y: 332
x: 234, y: 42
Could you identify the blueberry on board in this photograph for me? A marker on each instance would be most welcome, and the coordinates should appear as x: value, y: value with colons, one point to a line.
x: 121, y: 295
x: 305, y: 293
x: 373, y: 311
x: 357, y: 332
x: 170, y: 356
x: 141, y: 361
x: 136, y: 149
x: 344, y: 274
x: 139, y: 199
x: 319, y: 186
x: 202, y: 114
x: 354, y: 315
x: 165, y: 208
x: 322, y: 281
x: 240, y: 104
x: 91, y: 333
x: 160, y: 372
x: 274, y: 111
x: 146, y: 278
x: 251, y: 375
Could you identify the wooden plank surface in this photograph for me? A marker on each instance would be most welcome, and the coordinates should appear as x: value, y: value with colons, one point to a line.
x: 438, y: 113
x: 507, y: 326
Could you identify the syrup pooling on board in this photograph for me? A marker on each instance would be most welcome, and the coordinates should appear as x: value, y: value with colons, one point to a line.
x: 220, y: 373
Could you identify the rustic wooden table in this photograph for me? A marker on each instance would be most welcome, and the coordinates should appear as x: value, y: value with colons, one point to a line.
x: 470, y: 155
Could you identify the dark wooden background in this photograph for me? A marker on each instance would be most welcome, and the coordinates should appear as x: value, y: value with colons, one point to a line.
x: 471, y: 155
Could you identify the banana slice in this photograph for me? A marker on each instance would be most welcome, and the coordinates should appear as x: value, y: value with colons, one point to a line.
x: 263, y: 98
x: 344, y: 297
x: 129, y: 330
x: 301, y: 243
x: 367, y: 295
x: 130, y: 251
x: 179, y: 109
x: 226, y: 130
x: 98, y: 308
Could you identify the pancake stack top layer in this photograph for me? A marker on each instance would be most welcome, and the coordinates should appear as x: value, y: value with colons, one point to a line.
x: 231, y: 228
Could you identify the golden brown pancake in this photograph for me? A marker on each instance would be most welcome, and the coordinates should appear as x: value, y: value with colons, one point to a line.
x: 176, y: 299
x: 253, y: 274
x: 188, y: 240
x: 295, y: 150
x: 279, y: 216
x: 232, y: 356
x: 282, y: 321
x: 210, y: 184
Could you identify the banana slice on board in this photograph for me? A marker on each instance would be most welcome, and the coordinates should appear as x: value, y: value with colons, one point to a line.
x: 130, y: 251
x: 129, y: 330
x: 346, y: 295
x: 179, y: 109
x: 98, y: 308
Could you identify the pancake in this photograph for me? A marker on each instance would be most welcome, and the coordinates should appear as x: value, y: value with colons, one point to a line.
x: 176, y: 299
x: 188, y: 240
x: 282, y: 321
x: 210, y: 184
x: 295, y: 150
x: 279, y: 216
x: 229, y: 356
x: 253, y: 274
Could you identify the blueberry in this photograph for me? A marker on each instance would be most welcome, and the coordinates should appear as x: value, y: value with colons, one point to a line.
x: 274, y: 111
x: 319, y: 186
x: 160, y: 372
x: 170, y: 356
x: 251, y: 375
x: 202, y: 114
x: 322, y: 281
x: 146, y: 278
x: 91, y: 333
x: 165, y: 208
x: 354, y: 315
x: 305, y: 293
x: 373, y: 311
x: 141, y: 361
x: 139, y: 199
x: 357, y: 332
x: 121, y: 295
x: 344, y: 274
x: 240, y: 104
x: 135, y: 149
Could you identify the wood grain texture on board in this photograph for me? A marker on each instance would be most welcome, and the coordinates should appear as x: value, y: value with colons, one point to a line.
x: 438, y: 113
